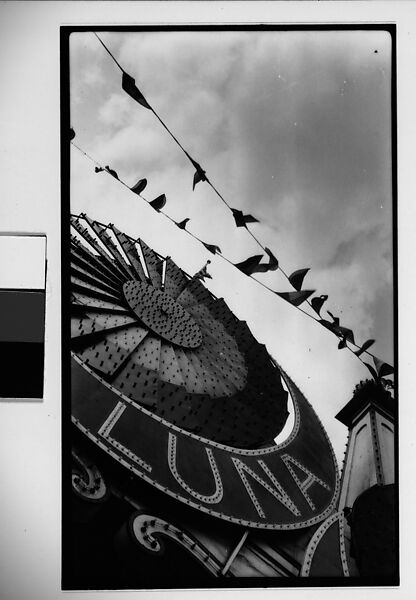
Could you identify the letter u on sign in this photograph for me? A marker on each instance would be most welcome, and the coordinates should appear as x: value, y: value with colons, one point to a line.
x: 213, y: 498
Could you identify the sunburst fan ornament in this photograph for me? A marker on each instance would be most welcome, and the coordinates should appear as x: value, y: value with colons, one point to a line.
x: 161, y: 338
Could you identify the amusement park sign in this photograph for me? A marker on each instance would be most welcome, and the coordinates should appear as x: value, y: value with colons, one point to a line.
x: 286, y: 486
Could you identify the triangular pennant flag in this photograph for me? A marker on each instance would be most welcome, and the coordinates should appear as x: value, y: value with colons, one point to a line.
x: 212, y: 248
x: 203, y: 273
x: 328, y: 325
x: 345, y: 332
x: 338, y: 330
x: 297, y: 277
x: 71, y: 134
x: 343, y: 342
x: 317, y: 303
x: 241, y: 219
x: 364, y: 347
x: 182, y: 224
x: 129, y: 86
x: 199, y: 174
x: 273, y: 262
x: 111, y: 171
x: 372, y: 371
x: 197, y: 166
x: 296, y: 298
x: 139, y: 186
x: 383, y: 368
x: 250, y: 265
x: 335, y: 319
x: 272, y: 265
x: 158, y: 203
x: 98, y: 169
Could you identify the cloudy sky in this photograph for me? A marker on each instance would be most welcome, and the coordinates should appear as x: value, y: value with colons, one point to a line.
x: 291, y: 126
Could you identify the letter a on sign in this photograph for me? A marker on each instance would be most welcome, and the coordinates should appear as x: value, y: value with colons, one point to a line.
x: 306, y: 483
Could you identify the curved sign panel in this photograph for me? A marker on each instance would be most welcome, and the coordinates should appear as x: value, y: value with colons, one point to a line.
x: 288, y: 486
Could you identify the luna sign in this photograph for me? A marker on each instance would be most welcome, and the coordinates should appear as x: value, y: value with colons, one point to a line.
x: 286, y: 486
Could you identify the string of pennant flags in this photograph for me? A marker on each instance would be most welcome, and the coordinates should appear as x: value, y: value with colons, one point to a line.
x: 252, y: 264
x: 295, y: 298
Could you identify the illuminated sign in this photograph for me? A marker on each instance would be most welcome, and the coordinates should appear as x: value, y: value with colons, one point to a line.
x: 286, y: 486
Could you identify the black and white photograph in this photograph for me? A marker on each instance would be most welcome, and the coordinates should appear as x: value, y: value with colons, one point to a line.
x: 232, y: 292
x: 206, y: 299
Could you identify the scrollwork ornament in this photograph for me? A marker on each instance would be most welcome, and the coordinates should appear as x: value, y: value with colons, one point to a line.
x: 149, y: 530
x: 87, y: 480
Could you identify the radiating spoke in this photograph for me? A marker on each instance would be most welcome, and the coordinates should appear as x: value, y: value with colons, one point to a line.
x: 188, y: 372
x: 169, y: 369
x: 93, y: 322
x: 112, y: 248
x: 83, y: 230
x: 94, y: 263
x: 108, y: 350
x: 138, y: 383
x: 84, y: 275
x: 153, y: 265
x: 147, y: 354
x: 130, y: 250
x: 88, y: 288
x: 175, y: 279
x: 223, y: 378
x: 208, y: 380
x: 87, y: 301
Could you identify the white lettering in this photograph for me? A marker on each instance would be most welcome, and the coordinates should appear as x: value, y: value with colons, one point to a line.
x: 306, y: 483
x: 107, y: 427
x: 217, y: 495
x: 279, y: 493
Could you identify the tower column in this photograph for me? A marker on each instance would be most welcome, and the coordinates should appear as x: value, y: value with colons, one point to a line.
x: 369, y: 458
x: 367, y: 493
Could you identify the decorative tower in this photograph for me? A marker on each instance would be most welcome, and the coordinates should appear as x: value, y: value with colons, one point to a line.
x: 368, y: 493
x: 369, y: 458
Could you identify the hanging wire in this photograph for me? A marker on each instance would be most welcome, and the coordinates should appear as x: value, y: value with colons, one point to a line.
x: 105, y: 47
x: 190, y: 159
x: 224, y: 201
x: 261, y: 283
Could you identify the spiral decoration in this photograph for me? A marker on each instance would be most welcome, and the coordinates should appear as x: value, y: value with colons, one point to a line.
x: 161, y: 338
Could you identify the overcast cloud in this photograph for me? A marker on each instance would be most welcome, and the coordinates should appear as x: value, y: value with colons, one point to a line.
x: 291, y: 126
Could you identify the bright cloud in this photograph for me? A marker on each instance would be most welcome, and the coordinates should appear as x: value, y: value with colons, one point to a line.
x: 291, y: 126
